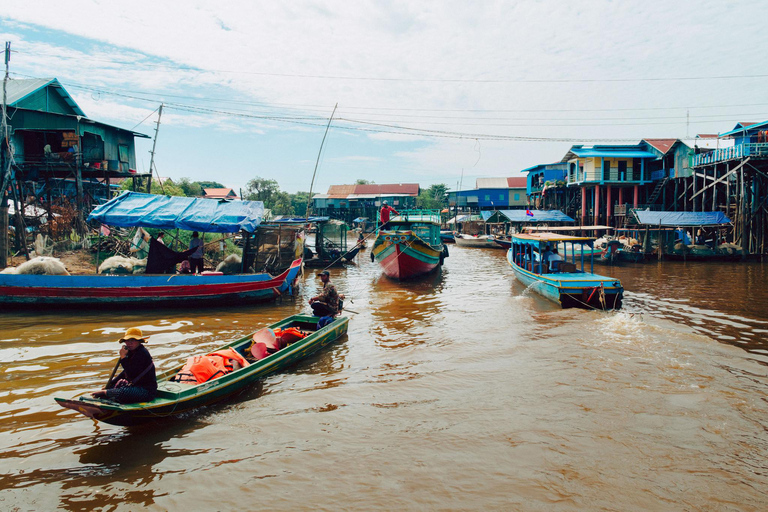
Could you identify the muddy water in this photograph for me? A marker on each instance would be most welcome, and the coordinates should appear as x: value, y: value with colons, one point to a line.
x: 461, y: 391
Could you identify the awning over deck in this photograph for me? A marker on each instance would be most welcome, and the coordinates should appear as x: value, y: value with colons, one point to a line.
x: 189, y: 213
x: 538, y: 216
x: 677, y: 219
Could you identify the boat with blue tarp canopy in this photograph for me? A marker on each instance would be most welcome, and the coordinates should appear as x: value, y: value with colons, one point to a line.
x: 270, y: 265
x: 136, y: 209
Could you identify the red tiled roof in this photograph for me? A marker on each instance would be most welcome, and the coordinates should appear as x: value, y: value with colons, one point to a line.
x: 517, y: 182
x: 219, y: 192
x: 342, y: 191
x: 396, y: 188
x: 662, y: 145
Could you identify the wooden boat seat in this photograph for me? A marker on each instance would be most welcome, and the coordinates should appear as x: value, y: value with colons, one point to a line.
x: 566, y: 267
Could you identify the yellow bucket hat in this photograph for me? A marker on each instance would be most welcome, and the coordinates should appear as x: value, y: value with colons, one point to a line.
x: 134, y: 333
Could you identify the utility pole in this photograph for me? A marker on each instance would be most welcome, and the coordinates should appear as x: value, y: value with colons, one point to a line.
x: 5, y: 165
x: 152, y: 154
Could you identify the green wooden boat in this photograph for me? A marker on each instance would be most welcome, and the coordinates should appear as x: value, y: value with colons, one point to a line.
x: 176, y: 398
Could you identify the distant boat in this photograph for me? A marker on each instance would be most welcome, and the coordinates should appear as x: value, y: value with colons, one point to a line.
x: 480, y: 241
x: 411, y: 246
x: 174, y: 398
x: 447, y: 237
x: 563, y: 281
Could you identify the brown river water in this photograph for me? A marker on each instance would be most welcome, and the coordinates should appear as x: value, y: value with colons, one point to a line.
x: 462, y: 391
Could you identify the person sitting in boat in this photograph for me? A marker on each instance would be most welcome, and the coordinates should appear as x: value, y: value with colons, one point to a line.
x: 385, y: 213
x: 138, y: 381
x: 327, y: 303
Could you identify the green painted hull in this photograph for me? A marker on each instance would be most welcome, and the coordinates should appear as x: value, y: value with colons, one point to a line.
x: 175, y: 398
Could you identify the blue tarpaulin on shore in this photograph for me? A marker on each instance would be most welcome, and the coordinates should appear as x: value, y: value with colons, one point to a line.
x: 536, y: 216
x: 676, y: 219
x: 189, y: 213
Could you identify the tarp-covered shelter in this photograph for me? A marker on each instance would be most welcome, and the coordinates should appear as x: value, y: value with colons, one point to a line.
x: 678, y: 219
x: 189, y: 213
x: 536, y: 216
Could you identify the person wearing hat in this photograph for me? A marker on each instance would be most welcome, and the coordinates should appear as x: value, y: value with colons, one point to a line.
x: 385, y: 213
x: 137, y: 382
x: 196, y: 258
x: 327, y: 303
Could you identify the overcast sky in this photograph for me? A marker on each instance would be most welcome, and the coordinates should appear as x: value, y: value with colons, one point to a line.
x: 427, y: 92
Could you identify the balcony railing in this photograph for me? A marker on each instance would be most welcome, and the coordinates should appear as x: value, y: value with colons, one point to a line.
x: 732, y: 153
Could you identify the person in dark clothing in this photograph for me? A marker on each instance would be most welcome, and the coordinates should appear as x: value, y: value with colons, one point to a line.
x: 163, y: 260
x: 327, y: 303
x: 138, y: 381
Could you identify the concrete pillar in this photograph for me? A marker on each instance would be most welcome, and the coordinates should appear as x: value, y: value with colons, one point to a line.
x: 621, y: 196
x: 597, y: 203
x: 583, y: 204
x: 608, y: 205
x: 637, y: 192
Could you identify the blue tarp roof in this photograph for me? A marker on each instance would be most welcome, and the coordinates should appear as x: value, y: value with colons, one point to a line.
x: 190, y: 213
x: 675, y: 219
x: 538, y: 216
x: 612, y: 153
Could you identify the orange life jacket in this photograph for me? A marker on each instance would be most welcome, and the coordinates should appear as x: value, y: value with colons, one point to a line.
x: 289, y: 335
x: 199, y: 369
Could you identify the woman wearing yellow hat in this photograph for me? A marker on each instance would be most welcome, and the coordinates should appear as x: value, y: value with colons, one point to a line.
x: 137, y: 382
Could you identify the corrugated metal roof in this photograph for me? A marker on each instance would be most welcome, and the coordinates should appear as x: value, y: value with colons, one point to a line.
x: 661, y: 145
x: 611, y: 152
x: 17, y: 90
x: 385, y: 189
x: 373, y: 190
x: 745, y: 127
x: 340, y: 191
x: 520, y: 182
x: 490, y: 183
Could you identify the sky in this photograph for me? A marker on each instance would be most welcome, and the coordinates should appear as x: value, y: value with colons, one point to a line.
x: 420, y: 92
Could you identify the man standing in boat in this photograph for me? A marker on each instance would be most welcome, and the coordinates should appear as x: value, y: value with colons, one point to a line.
x: 327, y: 303
x: 385, y: 213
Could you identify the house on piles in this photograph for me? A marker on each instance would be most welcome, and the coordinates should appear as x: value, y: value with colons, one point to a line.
x: 350, y: 202
x: 491, y: 194
x: 53, y: 144
x: 733, y: 178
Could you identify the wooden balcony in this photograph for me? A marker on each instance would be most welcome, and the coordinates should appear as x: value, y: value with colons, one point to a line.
x: 738, y: 152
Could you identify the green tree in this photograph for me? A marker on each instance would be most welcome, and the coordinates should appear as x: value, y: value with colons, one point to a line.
x: 210, y: 184
x: 433, y: 198
x: 191, y: 188
x: 262, y: 189
x: 168, y: 188
x: 363, y: 182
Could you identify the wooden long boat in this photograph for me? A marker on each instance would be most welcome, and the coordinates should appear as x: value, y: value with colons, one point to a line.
x: 481, y: 241
x: 175, y: 397
x: 133, y: 209
x: 566, y: 281
x: 411, y: 246
x: 105, y: 291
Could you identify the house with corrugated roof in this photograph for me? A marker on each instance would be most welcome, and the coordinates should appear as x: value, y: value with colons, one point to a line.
x: 348, y: 202
x: 491, y: 194
x: 51, y: 138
